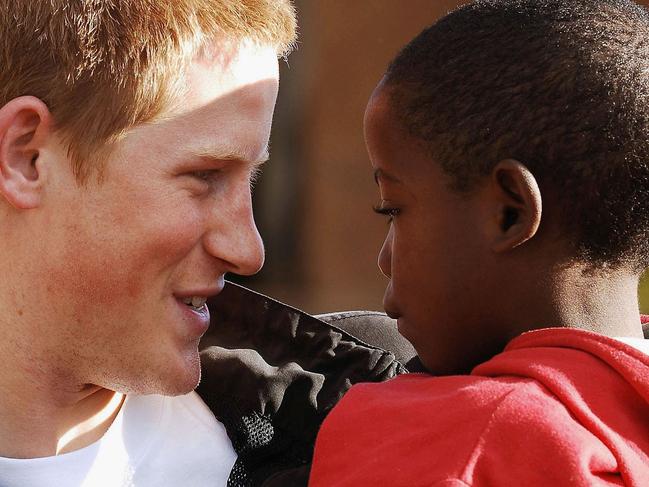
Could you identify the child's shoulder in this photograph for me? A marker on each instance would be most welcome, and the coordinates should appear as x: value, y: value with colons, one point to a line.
x: 553, y: 398
x: 419, y: 430
x: 474, y: 402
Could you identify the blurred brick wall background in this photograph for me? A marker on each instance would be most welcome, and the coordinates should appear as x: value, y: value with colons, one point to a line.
x: 313, y: 202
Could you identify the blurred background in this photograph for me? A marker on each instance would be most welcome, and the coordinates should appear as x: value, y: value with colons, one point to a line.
x: 313, y: 203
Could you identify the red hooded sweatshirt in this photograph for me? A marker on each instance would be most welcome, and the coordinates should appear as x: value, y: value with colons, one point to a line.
x: 559, y: 407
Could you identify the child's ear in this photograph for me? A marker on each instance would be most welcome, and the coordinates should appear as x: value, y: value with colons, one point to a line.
x: 517, y: 204
x: 25, y: 123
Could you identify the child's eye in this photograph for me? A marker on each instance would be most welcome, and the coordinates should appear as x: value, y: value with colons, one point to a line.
x: 388, y: 211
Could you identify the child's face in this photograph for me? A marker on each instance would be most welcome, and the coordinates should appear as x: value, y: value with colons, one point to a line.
x: 435, y: 253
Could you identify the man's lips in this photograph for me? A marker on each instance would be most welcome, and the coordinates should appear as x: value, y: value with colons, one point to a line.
x: 194, y: 302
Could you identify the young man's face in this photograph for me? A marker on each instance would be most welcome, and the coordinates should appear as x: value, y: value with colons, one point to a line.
x: 122, y: 259
x: 433, y: 255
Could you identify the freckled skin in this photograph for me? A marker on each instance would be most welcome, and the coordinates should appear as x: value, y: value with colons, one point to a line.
x: 99, y: 264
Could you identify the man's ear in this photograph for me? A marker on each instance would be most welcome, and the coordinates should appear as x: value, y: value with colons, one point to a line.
x: 25, y: 123
x: 517, y: 204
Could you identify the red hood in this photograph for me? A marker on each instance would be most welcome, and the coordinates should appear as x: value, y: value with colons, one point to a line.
x: 606, y: 388
x: 559, y: 407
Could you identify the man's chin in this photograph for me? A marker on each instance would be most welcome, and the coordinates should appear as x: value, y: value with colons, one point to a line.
x: 173, y: 377
x: 184, y: 380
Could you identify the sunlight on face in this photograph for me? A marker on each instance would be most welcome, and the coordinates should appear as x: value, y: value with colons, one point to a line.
x: 173, y: 214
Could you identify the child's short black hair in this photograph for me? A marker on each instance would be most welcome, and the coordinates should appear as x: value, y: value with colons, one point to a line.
x: 560, y: 85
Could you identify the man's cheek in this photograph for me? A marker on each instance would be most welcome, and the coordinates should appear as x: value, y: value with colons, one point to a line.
x: 89, y: 279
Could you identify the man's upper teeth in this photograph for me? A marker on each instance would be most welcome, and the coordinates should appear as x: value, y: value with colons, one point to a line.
x: 195, y: 301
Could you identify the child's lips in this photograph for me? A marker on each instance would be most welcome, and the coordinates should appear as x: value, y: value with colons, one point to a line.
x: 391, y: 310
x: 392, y: 314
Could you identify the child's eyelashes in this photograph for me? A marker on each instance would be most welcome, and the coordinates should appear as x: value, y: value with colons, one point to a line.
x: 389, y: 211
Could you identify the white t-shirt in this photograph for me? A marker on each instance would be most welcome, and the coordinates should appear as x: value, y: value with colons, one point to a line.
x: 154, y: 441
x: 641, y: 344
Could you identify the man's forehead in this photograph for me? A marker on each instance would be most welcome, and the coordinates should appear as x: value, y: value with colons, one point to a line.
x: 238, y: 60
x: 219, y: 49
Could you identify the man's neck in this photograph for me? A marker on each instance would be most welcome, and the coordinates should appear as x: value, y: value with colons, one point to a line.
x: 91, y: 421
x: 33, y: 425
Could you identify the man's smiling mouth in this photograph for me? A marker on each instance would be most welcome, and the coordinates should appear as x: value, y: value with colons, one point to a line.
x: 195, y: 302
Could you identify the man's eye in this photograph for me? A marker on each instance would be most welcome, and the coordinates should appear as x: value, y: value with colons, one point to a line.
x: 389, y: 211
x: 206, y: 176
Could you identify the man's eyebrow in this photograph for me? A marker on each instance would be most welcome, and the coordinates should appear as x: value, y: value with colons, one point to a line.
x: 231, y: 155
x: 381, y: 174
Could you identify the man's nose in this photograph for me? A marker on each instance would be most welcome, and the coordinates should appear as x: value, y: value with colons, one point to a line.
x: 233, y: 237
x: 385, y: 255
